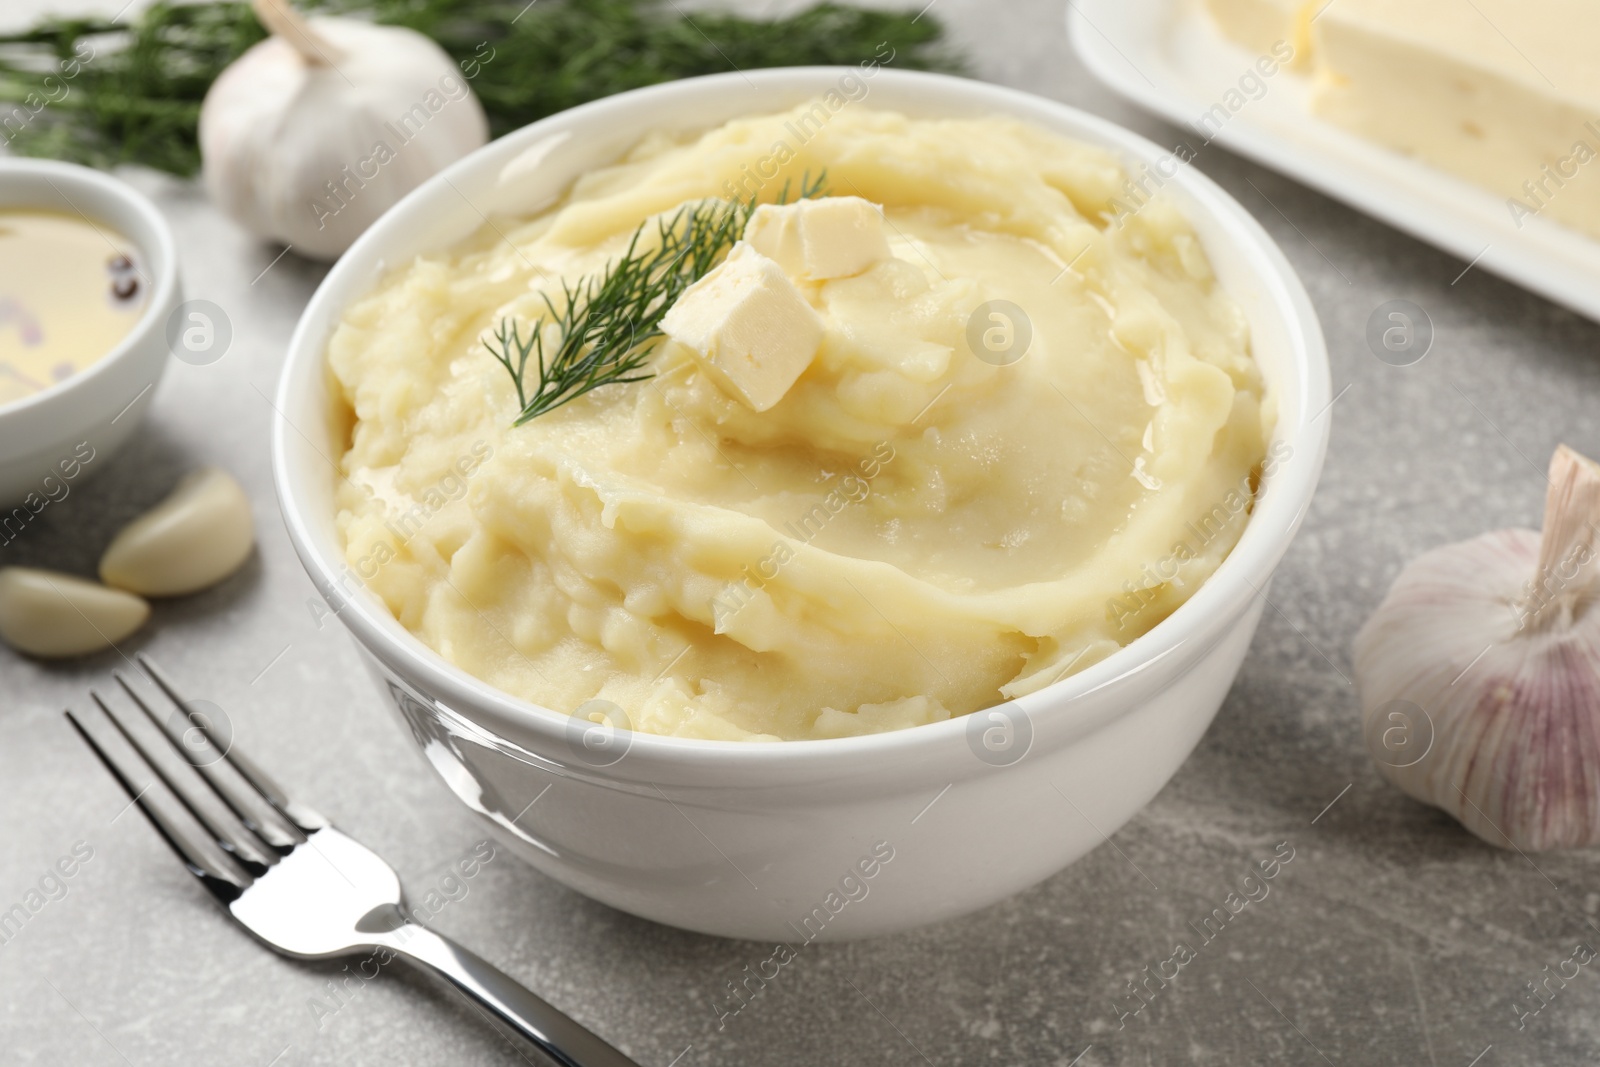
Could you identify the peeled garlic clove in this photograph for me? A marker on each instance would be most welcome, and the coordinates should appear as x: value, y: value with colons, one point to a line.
x: 1480, y: 674
x: 197, y: 536
x: 313, y: 133
x: 50, y: 614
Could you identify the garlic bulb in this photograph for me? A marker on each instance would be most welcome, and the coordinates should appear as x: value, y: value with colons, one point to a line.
x: 313, y: 133
x: 1480, y: 674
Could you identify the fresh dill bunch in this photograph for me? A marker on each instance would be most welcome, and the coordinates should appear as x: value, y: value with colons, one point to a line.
x: 88, y: 90
x: 607, y: 323
x: 137, y: 98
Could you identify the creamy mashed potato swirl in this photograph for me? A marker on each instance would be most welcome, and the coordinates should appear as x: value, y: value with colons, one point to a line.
x: 913, y: 531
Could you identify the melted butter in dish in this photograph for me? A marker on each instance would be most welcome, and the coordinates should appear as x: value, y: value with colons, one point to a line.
x: 70, y: 291
x: 1027, y: 427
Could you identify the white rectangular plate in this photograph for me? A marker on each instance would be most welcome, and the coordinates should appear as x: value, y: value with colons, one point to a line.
x: 1167, y: 56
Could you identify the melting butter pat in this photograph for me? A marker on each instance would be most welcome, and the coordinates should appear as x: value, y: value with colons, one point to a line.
x: 816, y: 240
x: 748, y: 326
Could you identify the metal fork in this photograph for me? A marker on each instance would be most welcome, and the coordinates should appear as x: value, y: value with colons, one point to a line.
x: 293, y: 880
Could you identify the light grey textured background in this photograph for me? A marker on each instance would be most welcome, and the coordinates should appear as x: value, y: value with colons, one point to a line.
x: 1392, y: 938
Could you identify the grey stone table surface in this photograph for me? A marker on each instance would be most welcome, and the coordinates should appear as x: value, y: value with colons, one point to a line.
x: 1394, y: 937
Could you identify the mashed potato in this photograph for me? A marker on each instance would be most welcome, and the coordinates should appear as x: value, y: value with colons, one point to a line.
x: 1026, y: 436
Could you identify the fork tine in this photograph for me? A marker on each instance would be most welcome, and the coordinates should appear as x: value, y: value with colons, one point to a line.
x: 254, y: 810
x: 303, y: 818
x: 207, y: 862
x: 232, y: 835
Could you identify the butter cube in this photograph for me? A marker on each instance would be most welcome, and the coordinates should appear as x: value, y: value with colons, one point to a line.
x: 748, y: 326
x: 815, y: 240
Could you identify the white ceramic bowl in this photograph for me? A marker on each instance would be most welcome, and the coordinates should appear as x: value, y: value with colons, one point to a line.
x: 770, y: 841
x: 42, y: 436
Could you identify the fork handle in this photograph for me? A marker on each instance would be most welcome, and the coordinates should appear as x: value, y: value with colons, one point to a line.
x: 547, y: 1027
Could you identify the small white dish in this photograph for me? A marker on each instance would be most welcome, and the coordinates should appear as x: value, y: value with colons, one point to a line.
x: 1168, y: 57
x: 766, y: 840
x: 45, y: 436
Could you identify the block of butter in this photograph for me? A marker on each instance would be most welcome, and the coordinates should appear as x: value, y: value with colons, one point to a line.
x: 1505, y: 93
x: 1264, y: 26
x: 749, y: 328
x: 816, y: 240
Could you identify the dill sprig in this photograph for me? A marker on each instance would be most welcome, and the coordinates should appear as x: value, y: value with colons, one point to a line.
x: 101, y: 92
x: 607, y: 323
